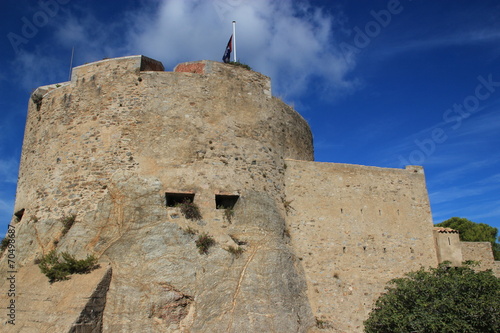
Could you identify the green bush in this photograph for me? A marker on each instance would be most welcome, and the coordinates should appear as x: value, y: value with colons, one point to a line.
x: 57, y: 268
x: 443, y: 299
x: 204, y: 242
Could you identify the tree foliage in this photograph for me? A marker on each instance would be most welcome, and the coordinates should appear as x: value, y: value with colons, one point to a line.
x: 443, y: 299
x: 474, y: 232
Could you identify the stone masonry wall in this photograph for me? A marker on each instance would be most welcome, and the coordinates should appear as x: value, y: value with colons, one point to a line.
x: 108, y: 145
x: 354, y: 228
x: 448, y: 245
x: 211, y: 133
x: 480, y: 251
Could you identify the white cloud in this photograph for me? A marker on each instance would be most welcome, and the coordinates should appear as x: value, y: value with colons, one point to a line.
x: 292, y: 42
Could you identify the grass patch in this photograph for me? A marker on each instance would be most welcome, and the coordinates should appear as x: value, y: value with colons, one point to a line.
x: 204, y: 242
x: 58, y: 268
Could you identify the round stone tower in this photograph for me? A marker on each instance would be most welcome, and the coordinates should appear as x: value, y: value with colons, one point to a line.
x: 119, y: 147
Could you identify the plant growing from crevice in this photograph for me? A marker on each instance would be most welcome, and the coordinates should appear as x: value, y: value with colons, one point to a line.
x: 204, y: 242
x: 190, y: 210
x: 67, y: 222
x: 228, y: 214
x: 190, y: 231
x: 236, y: 251
x: 323, y: 324
x: 58, y: 267
x: 239, y: 64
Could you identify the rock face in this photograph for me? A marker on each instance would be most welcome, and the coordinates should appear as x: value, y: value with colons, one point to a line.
x: 153, y: 167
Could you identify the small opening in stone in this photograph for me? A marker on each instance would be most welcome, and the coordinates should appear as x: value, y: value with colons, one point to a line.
x: 19, y: 214
x: 174, y: 198
x: 225, y: 201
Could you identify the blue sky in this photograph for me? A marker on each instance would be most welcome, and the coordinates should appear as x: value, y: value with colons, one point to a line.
x: 382, y: 83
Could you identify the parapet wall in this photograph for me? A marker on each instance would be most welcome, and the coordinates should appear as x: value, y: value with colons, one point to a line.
x: 355, y: 228
x: 482, y: 252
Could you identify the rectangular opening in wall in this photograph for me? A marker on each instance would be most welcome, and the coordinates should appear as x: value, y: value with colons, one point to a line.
x: 174, y: 198
x: 223, y: 201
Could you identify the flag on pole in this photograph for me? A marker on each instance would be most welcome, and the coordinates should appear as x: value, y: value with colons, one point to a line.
x: 227, y: 54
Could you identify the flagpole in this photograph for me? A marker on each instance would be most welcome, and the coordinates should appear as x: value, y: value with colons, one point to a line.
x: 234, y: 40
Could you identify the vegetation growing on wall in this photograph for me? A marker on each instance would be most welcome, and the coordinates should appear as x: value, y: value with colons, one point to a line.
x: 67, y: 222
x: 474, y: 232
x: 239, y: 64
x: 204, y: 242
x: 443, y: 299
x: 236, y: 251
x: 58, y: 268
x: 228, y: 214
x: 190, y: 210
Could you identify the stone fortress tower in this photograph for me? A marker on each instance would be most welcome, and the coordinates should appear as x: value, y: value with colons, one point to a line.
x: 122, y: 143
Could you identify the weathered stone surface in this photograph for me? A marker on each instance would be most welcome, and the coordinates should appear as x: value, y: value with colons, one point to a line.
x: 110, y: 144
x: 58, y: 307
x: 355, y: 228
x: 307, y: 247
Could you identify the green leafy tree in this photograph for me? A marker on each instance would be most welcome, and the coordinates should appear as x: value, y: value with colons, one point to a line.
x: 443, y: 299
x: 474, y: 232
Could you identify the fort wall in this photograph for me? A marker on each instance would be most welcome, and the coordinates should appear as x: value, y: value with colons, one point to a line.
x: 482, y: 252
x: 354, y: 228
x: 123, y: 137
